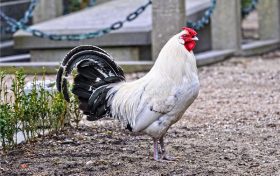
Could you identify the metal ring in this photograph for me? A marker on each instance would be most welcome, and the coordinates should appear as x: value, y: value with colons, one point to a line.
x: 117, y: 25
x: 132, y: 16
x: 140, y: 10
x: 37, y: 33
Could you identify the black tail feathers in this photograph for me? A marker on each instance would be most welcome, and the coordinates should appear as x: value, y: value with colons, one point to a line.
x: 96, y: 70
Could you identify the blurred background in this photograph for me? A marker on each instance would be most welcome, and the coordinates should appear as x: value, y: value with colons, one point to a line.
x: 232, y: 128
x: 44, y: 30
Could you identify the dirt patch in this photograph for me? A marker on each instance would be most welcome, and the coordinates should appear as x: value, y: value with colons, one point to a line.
x: 233, y: 128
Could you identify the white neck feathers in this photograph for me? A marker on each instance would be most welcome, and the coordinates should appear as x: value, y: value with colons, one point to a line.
x: 175, y: 61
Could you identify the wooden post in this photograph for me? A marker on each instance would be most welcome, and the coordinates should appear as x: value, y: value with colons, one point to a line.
x: 168, y: 18
x: 269, y: 19
x: 47, y: 9
x: 226, y: 25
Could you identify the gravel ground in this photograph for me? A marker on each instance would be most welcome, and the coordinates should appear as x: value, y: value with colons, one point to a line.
x: 233, y: 128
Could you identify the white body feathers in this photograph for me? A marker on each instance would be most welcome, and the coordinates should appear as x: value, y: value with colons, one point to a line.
x: 159, y: 99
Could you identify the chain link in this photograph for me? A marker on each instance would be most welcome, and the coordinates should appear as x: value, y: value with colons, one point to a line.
x: 205, y: 18
x: 208, y: 13
x: 15, y: 25
x: 29, y: 13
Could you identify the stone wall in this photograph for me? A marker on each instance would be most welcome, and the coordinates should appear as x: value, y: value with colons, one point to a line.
x: 167, y: 16
x: 47, y: 9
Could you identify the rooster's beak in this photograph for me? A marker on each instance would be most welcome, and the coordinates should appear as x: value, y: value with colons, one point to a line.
x: 182, y: 41
x: 195, y: 38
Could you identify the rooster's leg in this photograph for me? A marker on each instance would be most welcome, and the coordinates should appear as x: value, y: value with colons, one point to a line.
x: 163, y: 151
x: 156, y: 157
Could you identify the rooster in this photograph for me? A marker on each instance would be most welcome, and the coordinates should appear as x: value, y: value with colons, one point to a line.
x: 149, y: 105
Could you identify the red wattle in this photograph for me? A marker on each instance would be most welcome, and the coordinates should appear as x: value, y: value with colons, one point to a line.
x: 190, y: 45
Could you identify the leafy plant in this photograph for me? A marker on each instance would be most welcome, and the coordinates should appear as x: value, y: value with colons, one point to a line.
x: 58, y: 111
x: 36, y: 112
x: 7, y: 125
x: 74, y: 111
x: 18, y: 97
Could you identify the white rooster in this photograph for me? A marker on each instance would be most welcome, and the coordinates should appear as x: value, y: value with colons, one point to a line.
x: 148, y: 105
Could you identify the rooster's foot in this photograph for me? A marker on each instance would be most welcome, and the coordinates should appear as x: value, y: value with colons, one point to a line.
x: 169, y: 158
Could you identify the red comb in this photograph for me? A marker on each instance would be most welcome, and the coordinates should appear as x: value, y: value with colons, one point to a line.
x: 190, y: 31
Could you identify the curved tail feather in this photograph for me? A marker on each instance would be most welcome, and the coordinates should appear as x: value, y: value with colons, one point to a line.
x: 96, y: 71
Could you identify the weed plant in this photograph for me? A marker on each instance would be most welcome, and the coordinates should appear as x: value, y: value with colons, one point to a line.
x: 35, y: 113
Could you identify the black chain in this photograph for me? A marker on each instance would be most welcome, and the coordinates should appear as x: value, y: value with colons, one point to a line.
x: 205, y: 18
x: 15, y: 25
x: 29, y: 13
x: 71, y: 37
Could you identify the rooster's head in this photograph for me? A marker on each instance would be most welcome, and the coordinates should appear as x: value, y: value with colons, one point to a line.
x: 188, y: 38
